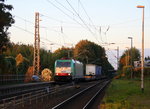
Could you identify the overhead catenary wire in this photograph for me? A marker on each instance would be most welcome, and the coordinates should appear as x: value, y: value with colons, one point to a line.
x: 79, y: 17
x: 85, y: 26
x: 65, y: 7
x: 23, y: 29
x: 99, y: 31
x: 41, y: 27
x: 54, y: 19
x: 111, y: 52
x: 42, y: 38
x: 65, y: 13
x: 49, y: 42
x: 82, y: 21
x: 87, y: 14
x: 59, y: 32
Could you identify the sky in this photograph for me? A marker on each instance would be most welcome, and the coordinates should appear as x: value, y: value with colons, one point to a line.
x: 108, y: 23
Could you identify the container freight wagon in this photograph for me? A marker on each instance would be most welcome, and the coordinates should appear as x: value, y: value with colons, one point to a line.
x: 68, y: 70
x: 92, y: 72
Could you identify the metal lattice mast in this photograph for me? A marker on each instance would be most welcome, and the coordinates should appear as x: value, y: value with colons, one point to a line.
x: 36, y: 62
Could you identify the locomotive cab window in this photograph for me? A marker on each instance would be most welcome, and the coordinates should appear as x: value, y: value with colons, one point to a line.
x: 63, y: 64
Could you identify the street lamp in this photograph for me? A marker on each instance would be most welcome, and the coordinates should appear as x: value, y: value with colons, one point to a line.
x: 131, y: 54
x: 127, y: 56
x: 142, y: 58
x: 131, y: 48
x: 117, y: 57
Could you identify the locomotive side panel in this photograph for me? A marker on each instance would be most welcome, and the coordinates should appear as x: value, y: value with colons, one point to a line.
x: 78, y: 70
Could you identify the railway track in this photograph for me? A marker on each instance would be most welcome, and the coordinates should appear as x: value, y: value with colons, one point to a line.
x: 30, y: 95
x: 45, y: 98
x: 13, y: 90
x: 9, y: 91
x: 83, y: 99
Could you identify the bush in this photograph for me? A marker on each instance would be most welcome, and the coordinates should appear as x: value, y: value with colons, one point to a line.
x: 9, y: 65
x: 127, y: 71
x: 137, y: 72
x: 23, y: 67
x: 1, y: 63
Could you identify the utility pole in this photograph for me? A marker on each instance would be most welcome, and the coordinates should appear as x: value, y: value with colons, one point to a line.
x: 142, y: 58
x: 131, y: 55
x: 131, y: 49
x: 36, y: 61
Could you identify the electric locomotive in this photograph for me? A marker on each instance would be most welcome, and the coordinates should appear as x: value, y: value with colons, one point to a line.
x: 68, y: 70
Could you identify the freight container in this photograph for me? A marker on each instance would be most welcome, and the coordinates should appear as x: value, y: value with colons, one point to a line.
x: 92, y: 69
x: 98, y: 70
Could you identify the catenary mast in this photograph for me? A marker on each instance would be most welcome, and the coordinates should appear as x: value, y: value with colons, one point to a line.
x: 36, y: 61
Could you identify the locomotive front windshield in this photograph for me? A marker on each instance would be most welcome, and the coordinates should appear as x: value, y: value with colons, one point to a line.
x: 63, y: 64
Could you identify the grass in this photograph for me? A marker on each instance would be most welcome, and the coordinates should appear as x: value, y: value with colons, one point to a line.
x: 126, y: 94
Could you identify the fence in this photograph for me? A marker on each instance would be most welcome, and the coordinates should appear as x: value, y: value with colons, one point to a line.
x: 12, y: 79
x: 39, y: 98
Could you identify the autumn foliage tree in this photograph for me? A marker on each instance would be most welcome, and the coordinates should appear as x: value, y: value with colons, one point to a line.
x: 89, y: 52
x: 126, y: 58
x: 46, y: 59
x: 63, y: 52
x: 22, y: 64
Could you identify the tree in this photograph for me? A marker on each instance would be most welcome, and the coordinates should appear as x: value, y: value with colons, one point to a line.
x: 63, y: 53
x: 127, y: 56
x: 6, y: 20
x: 60, y: 53
x: 89, y: 52
x: 23, y: 66
x: 147, y: 58
x: 19, y: 59
x: 9, y: 65
x: 45, y: 59
x: 25, y: 50
x: 125, y: 60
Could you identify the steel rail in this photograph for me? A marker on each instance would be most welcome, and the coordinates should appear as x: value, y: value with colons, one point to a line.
x: 75, y: 95
x: 94, y: 97
x: 34, y: 95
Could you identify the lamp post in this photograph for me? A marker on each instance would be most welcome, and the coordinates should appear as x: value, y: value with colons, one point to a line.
x: 127, y: 56
x: 131, y: 54
x: 142, y: 58
x: 117, y: 57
